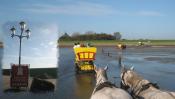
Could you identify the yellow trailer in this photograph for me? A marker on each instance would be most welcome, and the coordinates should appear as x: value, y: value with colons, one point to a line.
x: 84, y: 59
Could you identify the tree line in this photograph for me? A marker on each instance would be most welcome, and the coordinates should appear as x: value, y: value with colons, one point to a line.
x: 90, y: 36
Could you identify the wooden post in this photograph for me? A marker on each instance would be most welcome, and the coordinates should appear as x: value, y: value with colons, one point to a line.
x: 120, y: 58
x: 108, y: 53
x: 121, y: 48
x: 120, y: 61
x: 102, y: 50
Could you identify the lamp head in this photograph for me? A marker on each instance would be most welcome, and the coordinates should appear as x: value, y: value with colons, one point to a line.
x: 22, y: 25
x: 13, y: 30
x: 28, y: 33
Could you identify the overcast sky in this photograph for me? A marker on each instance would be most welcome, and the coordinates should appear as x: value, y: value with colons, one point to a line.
x: 135, y: 19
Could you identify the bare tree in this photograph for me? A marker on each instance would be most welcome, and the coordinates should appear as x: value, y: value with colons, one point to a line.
x: 74, y: 34
x: 117, y: 35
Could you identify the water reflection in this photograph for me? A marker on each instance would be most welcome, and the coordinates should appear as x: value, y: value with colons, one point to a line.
x: 72, y: 86
x: 75, y: 86
x: 84, y: 85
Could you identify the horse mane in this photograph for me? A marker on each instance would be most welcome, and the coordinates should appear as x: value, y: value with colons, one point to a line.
x: 134, y: 78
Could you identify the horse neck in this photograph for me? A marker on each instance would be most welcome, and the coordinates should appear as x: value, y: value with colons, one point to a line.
x: 101, y: 79
x: 137, y: 83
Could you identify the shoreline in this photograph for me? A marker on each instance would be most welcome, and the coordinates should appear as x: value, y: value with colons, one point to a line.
x: 128, y: 46
x: 114, y: 43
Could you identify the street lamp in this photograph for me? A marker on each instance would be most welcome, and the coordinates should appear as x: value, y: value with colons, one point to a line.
x: 20, y: 36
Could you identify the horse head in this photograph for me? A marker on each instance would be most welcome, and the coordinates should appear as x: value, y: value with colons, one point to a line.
x: 126, y: 76
x: 105, y: 89
x: 101, y: 75
x: 135, y: 82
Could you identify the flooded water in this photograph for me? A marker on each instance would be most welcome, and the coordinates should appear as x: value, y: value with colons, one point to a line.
x: 1, y: 56
x: 70, y: 85
x: 154, y: 64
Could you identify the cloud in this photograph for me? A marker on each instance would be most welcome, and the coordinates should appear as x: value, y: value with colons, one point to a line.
x: 51, y: 43
x: 35, y: 49
x: 35, y: 62
x: 44, y: 45
x: 41, y: 46
x: 78, y: 8
x: 48, y: 29
x: 150, y: 13
x: 83, y: 8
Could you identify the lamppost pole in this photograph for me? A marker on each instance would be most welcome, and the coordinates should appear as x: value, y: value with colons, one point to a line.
x: 22, y: 26
x: 20, y: 39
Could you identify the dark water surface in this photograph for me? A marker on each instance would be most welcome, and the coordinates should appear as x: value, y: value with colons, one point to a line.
x: 70, y: 85
x: 154, y: 64
x: 1, y: 56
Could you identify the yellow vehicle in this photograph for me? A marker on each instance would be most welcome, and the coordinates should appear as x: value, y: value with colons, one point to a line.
x: 84, y: 59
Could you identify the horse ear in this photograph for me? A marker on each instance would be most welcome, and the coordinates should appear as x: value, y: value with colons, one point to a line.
x: 132, y: 68
x: 106, y: 67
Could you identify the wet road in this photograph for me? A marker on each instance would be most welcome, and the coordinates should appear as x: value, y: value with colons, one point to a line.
x: 155, y: 64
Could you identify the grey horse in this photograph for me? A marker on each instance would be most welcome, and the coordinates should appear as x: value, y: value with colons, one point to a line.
x: 106, y: 90
x: 142, y: 88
